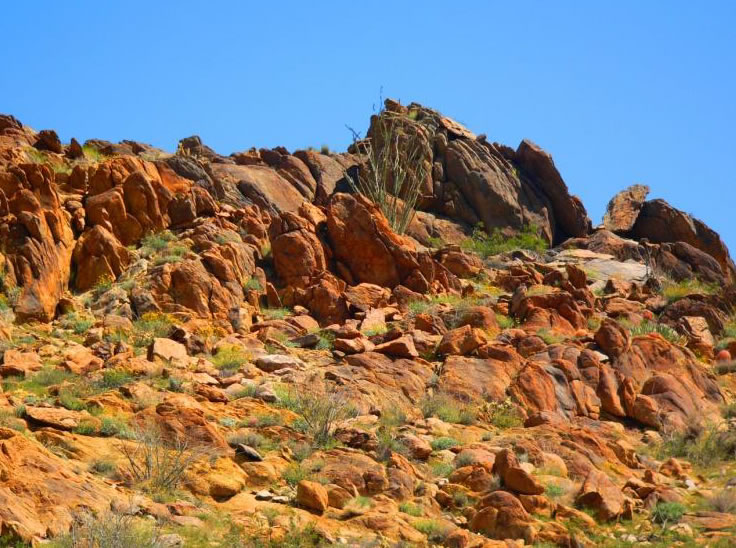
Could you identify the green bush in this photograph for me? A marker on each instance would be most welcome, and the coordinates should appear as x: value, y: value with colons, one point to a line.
x: 646, y: 327
x: 441, y: 469
x: 503, y: 414
x: 701, y: 446
x: 275, y: 313
x: 114, y: 378
x: 668, y: 512
x: 114, y: 426
x: 487, y: 245
x: 448, y: 409
x: 69, y: 401
x: 440, y: 444
x: 86, y: 429
x: 415, y: 510
x: 505, y: 322
x: 434, y: 530
x: 103, y: 467
x: 554, y: 491
x: 230, y: 358
x: 674, y: 291
x: 294, y: 473
x: 77, y: 323
x: 150, y: 326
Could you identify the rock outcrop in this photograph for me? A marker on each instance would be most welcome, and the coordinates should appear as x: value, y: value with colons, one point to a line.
x: 245, y: 334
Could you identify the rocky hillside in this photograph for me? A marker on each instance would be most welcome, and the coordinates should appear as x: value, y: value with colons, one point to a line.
x: 207, y: 350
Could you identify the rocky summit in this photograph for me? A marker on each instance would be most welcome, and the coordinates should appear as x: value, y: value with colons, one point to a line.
x: 250, y: 350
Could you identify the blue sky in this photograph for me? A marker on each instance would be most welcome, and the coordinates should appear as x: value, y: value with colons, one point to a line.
x: 618, y: 92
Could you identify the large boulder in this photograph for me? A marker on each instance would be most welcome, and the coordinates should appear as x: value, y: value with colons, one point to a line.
x: 98, y: 255
x: 37, y: 240
x: 659, y: 222
x: 39, y: 491
x: 366, y: 249
x: 624, y: 208
x: 472, y: 180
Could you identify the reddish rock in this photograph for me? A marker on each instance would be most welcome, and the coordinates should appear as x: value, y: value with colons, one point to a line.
x: 624, y: 208
x: 501, y: 515
x: 462, y: 341
x: 601, y: 495
x: 612, y: 337
x: 403, y: 347
x: 659, y: 222
x: 38, y: 489
x: 19, y: 363
x: 312, y: 496
x: 369, y: 251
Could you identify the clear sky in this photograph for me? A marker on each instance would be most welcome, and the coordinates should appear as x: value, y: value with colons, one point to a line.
x: 619, y: 92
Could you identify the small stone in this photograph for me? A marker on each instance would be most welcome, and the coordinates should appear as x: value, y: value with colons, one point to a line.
x: 248, y: 452
x: 273, y: 362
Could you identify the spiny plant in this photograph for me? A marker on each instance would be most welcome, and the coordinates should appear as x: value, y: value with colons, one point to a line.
x: 394, y: 167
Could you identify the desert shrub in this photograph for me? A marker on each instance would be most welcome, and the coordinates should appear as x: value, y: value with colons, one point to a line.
x: 108, y: 530
x: 548, y: 337
x: 77, y: 323
x: 48, y: 376
x: 668, y: 512
x: 439, y: 444
x: 388, y: 443
x: 646, y: 327
x: 93, y: 155
x: 158, y: 241
x: 448, y: 409
x: 253, y: 283
x: 441, y: 469
x: 294, y: 473
x: 86, y: 428
x: 393, y: 416
x: 251, y: 439
x: 114, y: 378
x: 157, y: 462
x: 729, y: 410
x: 394, y: 171
x: 415, y: 510
x: 465, y: 459
x: 674, y: 291
x: 69, y: 400
x: 11, y: 420
x: 230, y: 358
x: 723, y: 500
x: 460, y: 499
x: 319, y: 408
x: 247, y: 391
x: 114, y: 426
x: 103, y: 285
x: 433, y: 529
x: 502, y: 414
x: 149, y: 326
x: 554, y: 491
x: 103, y: 467
x: 275, y: 313
x: 702, y: 446
x: 505, y: 322
x: 487, y: 245
x: 326, y: 340
x: 269, y: 420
